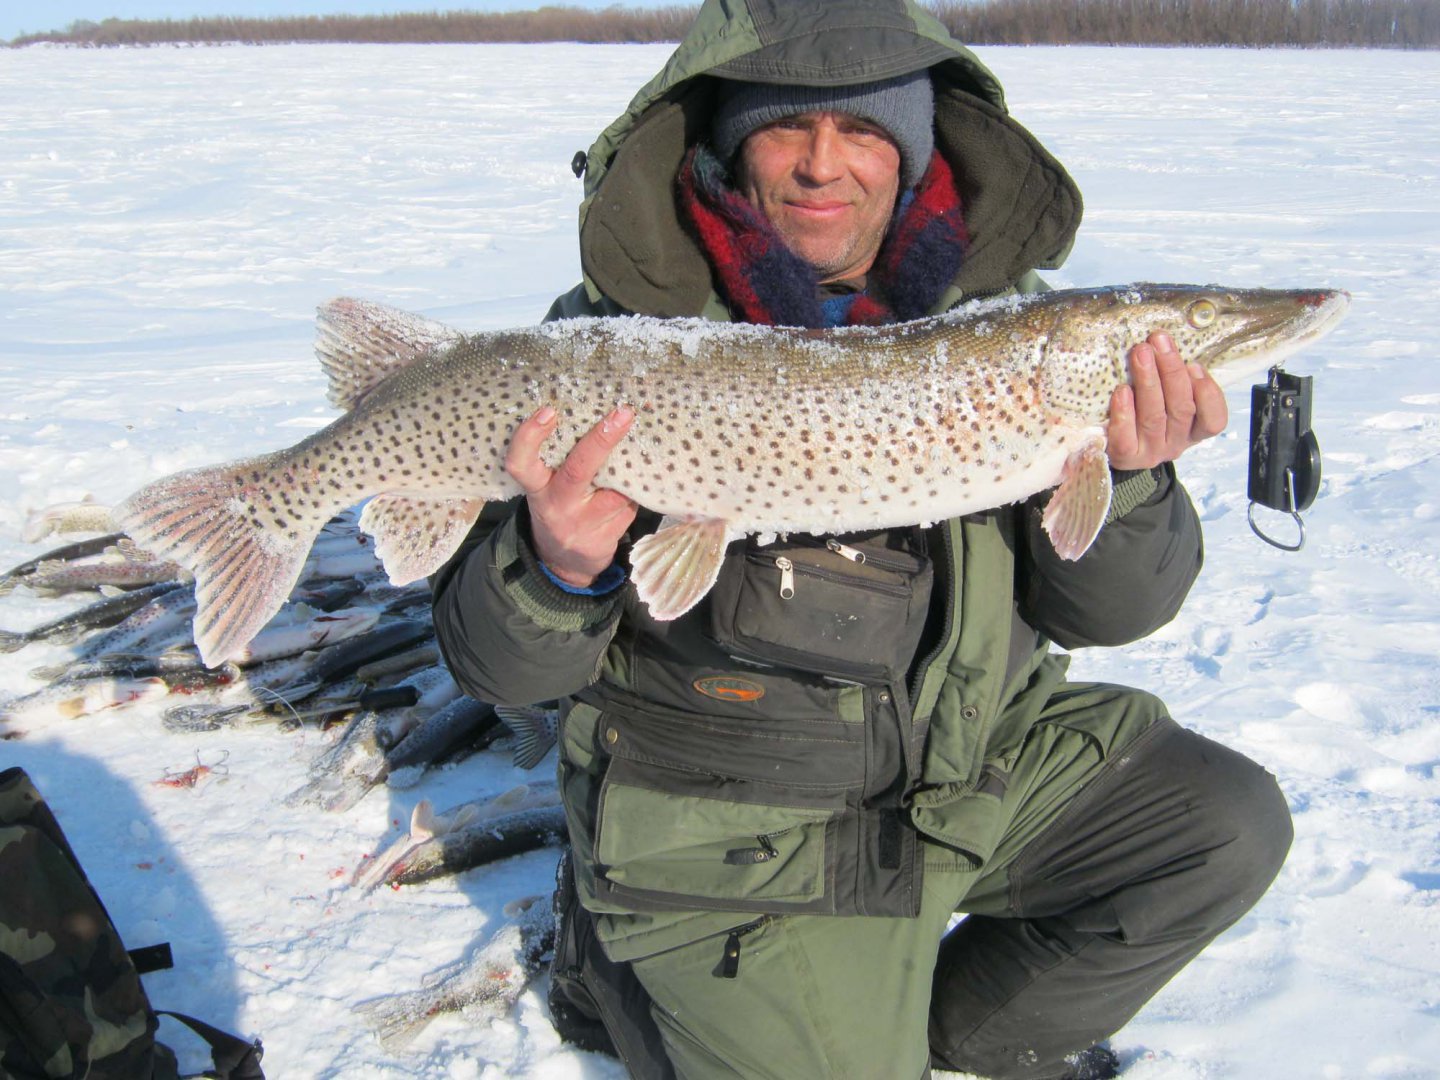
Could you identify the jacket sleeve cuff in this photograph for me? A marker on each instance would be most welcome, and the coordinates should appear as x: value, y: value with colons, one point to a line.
x: 604, y: 584
x: 536, y: 593
x: 1135, y: 487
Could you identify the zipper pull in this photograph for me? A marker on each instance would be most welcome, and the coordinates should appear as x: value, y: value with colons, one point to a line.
x: 787, y: 577
x: 730, y: 961
x: 749, y: 856
x: 855, y: 555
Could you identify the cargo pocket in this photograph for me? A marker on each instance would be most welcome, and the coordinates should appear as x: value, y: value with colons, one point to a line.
x: 671, y: 829
x: 725, y: 852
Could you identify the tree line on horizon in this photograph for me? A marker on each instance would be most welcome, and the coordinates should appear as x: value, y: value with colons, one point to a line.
x: 1409, y: 24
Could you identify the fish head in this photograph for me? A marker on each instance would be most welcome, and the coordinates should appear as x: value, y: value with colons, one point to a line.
x: 1232, y: 333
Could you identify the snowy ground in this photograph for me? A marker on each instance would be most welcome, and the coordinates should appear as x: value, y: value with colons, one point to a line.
x: 170, y: 218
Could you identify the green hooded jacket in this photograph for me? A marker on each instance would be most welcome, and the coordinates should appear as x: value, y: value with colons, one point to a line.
x: 712, y: 770
x: 1021, y: 207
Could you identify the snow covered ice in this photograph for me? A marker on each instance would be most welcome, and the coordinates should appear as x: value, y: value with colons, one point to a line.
x: 169, y: 220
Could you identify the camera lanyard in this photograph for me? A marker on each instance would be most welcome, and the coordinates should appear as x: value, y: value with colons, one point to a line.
x: 1284, y: 453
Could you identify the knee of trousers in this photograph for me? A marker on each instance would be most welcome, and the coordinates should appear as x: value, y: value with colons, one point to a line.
x: 1240, y: 827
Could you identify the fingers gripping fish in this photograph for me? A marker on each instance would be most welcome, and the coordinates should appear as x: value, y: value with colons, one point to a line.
x: 740, y: 430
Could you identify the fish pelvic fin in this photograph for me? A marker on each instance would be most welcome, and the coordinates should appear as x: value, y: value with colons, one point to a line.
x: 415, y: 535
x: 675, y: 566
x: 360, y: 343
x: 244, y: 558
x: 1075, y: 513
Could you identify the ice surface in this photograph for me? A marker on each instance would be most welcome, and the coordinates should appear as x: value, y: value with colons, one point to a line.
x: 171, y: 218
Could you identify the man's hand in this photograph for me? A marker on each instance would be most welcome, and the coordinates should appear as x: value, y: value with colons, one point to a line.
x: 576, y: 527
x: 1168, y: 407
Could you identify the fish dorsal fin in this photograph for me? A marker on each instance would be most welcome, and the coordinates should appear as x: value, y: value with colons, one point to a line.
x: 359, y: 343
x: 1077, y: 510
x: 675, y: 566
x: 415, y: 535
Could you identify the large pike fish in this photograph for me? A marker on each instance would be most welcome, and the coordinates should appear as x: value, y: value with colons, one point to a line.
x: 739, y: 430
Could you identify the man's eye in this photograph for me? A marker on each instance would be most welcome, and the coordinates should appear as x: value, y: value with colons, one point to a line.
x: 863, y: 131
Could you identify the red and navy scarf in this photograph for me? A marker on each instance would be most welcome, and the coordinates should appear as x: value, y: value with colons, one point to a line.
x: 765, y: 282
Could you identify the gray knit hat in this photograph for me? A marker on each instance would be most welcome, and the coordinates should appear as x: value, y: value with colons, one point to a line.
x: 904, y: 106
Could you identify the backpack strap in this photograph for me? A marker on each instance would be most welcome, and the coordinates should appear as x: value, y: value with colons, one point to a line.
x: 234, y: 1057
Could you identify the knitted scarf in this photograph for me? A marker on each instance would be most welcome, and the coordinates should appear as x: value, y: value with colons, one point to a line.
x: 765, y: 282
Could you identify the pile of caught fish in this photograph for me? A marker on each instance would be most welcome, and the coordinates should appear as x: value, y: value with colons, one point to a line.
x: 348, y: 652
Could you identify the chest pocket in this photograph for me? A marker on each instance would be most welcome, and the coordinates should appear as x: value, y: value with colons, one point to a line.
x: 849, y: 608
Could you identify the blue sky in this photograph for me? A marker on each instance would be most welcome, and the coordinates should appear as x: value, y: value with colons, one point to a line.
x: 21, y: 17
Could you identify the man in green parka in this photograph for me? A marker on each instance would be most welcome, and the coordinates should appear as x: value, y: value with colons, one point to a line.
x: 772, y: 828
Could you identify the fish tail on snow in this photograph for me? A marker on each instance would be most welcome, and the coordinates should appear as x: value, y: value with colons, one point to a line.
x: 222, y: 522
x: 10, y: 641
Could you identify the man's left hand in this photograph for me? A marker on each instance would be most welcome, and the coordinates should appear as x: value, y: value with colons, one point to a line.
x: 1168, y: 407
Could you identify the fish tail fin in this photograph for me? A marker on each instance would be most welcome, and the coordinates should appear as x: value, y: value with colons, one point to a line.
x: 534, y: 730
x: 399, y: 1018
x: 221, y: 524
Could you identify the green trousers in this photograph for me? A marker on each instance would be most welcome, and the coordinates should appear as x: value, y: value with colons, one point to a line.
x: 1130, y: 843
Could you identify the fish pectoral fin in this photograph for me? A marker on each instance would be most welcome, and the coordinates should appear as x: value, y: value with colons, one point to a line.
x: 1077, y: 510
x: 674, y: 567
x: 511, y: 799
x: 422, y: 821
x: 414, y: 535
x: 360, y: 343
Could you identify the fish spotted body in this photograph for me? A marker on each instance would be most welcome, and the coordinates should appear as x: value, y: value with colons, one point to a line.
x: 739, y: 430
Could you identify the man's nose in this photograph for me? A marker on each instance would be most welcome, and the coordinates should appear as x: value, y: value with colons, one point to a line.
x: 821, y: 162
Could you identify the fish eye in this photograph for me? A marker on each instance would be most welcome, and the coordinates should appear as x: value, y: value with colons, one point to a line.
x: 1201, y: 314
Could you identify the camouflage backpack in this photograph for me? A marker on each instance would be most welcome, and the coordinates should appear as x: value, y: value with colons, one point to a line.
x: 71, y: 1003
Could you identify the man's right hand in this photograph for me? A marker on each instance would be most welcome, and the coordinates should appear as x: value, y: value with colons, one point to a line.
x: 576, y: 527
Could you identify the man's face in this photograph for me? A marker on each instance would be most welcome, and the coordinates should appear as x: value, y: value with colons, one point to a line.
x: 828, y: 183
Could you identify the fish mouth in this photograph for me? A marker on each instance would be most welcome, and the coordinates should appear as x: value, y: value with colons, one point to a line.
x: 1280, y: 331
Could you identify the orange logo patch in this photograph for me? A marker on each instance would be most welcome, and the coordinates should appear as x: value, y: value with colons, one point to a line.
x: 729, y: 688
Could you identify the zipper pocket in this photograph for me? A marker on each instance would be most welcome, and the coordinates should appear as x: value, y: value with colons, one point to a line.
x: 789, y: 570
x: 897, y: 562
